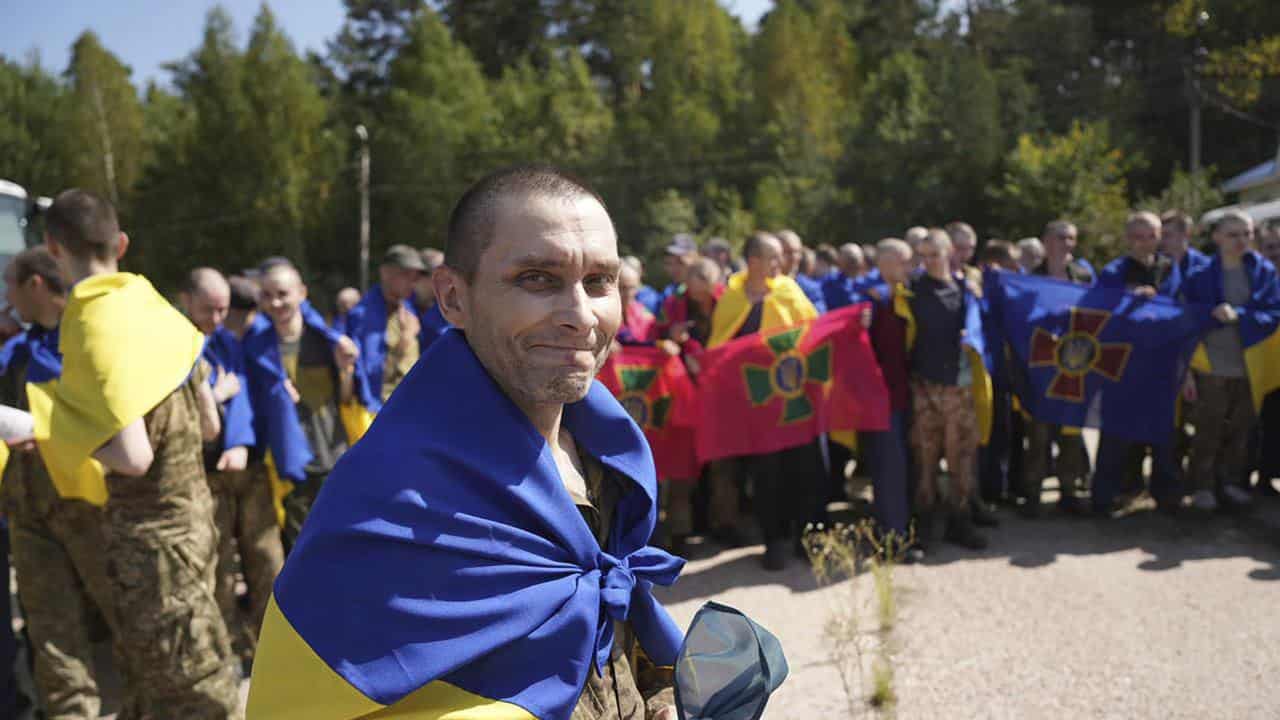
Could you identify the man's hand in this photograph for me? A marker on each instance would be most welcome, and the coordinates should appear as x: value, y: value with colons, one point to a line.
x: 26, y: 444
x: 874, y: 292
x: 345, y: 354
x: 680, y: 332
x: 669, y: 347
x: 666, y: 713
x: 1144, y: 291
x: 233, y: 459
x: 1225, y: 314
x: 1189, y: 392
x: 293, y: 391
x: 409, y: 328
x: 225, y: 385
x: 866, y: 317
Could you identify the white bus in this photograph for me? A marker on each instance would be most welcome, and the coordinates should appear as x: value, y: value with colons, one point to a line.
x: 16, y: 229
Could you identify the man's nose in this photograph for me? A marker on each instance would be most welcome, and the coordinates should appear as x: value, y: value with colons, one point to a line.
x: 575, y: 310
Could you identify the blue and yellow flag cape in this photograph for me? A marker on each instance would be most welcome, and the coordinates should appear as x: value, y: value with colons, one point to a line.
x: 973, y: 343
x: 276, y: 418
x: 1097, y: 357
x: 35, y: 352
x: 445, y: 568
x: 222, y: 350
x: 366, y: 324
x: 785, y: 305
x: 1259, y: 319
x: 124, y: 349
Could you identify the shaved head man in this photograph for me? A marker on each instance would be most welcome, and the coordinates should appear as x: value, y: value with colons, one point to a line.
x: 206, y: 299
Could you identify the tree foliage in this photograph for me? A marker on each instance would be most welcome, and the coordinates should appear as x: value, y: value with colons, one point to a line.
x: 844, y: 119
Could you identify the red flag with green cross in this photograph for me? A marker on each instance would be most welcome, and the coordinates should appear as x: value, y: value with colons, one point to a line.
x: 655, y: 390
x: 782, y: 388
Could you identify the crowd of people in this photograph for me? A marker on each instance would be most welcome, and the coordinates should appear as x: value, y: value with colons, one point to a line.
x: 177, y: 569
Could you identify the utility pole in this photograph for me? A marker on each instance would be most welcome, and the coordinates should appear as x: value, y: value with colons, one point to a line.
x: 363, y: 133
x: 1195, y: 103
x: 108, y: 157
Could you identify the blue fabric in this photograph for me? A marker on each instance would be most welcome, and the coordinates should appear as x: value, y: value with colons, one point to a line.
x: 340, y: 323
x: 433, y: 326
x: 728, y: 667
x: 463, y: 556
x: 813, y: 290
x: 840, y: 290
x: 1113, y: 276
x: 276, y: 419
x: 650, y: 298
x: 222, y: 350
x: 37, y: 351
x: 367, y: 326
x: 889, y: 477
x: 1160, y: 336
x: 1260, y: 316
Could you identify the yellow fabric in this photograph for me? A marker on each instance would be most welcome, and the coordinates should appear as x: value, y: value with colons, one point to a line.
x: 983, y: 391
x: 1262, y: 361
x: 124, y: 349
x: 292, y: 682
x: 785, y: 305
x: 847, y: 438
x: 4, y: 459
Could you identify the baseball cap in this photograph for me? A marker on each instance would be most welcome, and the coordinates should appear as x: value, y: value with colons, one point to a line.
x: 403, y: 256
x: 682, y: 244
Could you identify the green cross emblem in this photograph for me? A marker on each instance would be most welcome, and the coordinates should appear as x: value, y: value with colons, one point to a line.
x: 789, y: 375
x: 650, y: 413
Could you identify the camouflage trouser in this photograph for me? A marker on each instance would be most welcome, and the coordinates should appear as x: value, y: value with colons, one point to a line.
x: 1223, y: 419
x: 943, y: 423
x: 62, y: 585
x: 176, y: 652
x: 247, y: 526
x: 297, y: 506
x: 1071, y: 466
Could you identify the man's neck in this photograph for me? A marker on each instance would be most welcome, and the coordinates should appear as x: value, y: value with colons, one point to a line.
x: 756, y: 285
x: 291, y: 329
x: 1144, y: 260
x: 1058, y: 265
x: 1232, y: 260
x: 546, y: 420
x: 50, y: 314
x: 1177, y: 253
x: 945, y: 277
x: 84, y: 269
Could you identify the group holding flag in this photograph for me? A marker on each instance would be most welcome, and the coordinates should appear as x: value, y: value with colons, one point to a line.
x: 171, y: 455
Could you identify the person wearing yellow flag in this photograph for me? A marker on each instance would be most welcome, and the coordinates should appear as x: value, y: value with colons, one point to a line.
x: 760, y: 299
x: 131, y: 397
x: 56, y: 542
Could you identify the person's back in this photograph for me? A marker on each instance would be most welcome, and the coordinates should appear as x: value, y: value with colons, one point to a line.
x: 144, y: 408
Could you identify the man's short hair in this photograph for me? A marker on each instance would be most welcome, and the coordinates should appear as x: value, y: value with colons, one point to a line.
x: 39, y: 262
x: 894, y: 246
x: 432, y: 258
x: 786, y: 236
x: 961, y: 228
x: 1056, y: 228
x: 707, y: 269
x: 869, y: 252
x: 1031, y: 244
x: 85, y: 224
x: 1177, y: 220
x: 996, y: 252
x: 939, y: 237
x: 827, y: 254
x: 755, y: 243
x: 633, y: 262
x: 915, y: 234
x: 475, y: 216
x: 1230, y: 216
x: 1143, y: 217
x: 198, y: 277
x: 244, y: 293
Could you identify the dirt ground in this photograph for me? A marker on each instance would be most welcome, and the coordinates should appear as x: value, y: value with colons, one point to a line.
x: 1146, y: 616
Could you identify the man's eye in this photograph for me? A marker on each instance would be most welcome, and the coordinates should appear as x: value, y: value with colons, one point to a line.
x: 536, y: 280
x: 599, y: 283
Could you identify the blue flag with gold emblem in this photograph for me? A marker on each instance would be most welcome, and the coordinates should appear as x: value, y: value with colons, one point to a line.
x: 1097, y: 357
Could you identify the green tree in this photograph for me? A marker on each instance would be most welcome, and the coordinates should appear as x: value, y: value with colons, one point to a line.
x: 556, y: 112
x: 1079, y: 175
x: 500, y: 33
x: 105, y: 122
x: 33, y: 147
x: 441, y: 132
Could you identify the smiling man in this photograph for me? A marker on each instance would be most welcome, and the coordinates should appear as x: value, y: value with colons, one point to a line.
x: 484, y: 549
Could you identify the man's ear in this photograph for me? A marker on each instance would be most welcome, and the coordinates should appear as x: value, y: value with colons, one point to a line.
x: 123, y: 246
x: 451, y: 295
